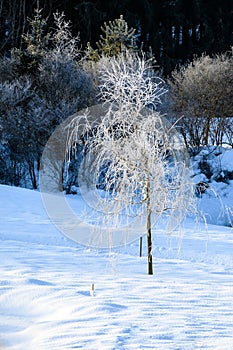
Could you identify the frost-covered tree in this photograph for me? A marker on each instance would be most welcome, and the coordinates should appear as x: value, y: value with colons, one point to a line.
x: 64, y: 43
x: 60, y: 77
x: 41, y: 40
x: 39, y: 88
x: 134, y: 164
x: 202, y: 95
x: 24, y: 122
x: 36, y: 42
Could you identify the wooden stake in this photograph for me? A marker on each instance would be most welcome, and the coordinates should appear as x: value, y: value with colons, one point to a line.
x: 92, y: 291
x: 140, y: 250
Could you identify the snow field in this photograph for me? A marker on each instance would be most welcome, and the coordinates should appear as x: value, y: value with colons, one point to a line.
x: 45, y: 283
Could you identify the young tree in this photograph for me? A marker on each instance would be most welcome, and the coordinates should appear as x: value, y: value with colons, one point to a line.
x: 116, y: 38
x: 35, y: 44
x: 135, y: 165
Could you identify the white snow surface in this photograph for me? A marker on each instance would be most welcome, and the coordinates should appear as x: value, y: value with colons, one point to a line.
x: 46, y: 298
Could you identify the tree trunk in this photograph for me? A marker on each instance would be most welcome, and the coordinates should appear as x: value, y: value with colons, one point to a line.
x: 149, y: 239
x: 32, y: 173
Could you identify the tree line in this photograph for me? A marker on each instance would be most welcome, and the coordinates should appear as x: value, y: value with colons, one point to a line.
x: 174, y: 30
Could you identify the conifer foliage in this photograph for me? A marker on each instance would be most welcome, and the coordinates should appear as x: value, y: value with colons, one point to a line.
x: 116, y: 38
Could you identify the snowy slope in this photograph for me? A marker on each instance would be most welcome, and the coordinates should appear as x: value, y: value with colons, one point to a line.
x: 45, y: 282
x: 213, y: 166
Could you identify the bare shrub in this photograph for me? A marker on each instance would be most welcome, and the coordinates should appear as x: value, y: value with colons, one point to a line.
x: 202, y: 95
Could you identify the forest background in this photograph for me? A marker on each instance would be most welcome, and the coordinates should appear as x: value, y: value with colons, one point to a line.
x: 175, y: 30
x: 46, y: 74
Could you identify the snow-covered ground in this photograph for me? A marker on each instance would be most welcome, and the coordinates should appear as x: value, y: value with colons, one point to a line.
x: 213, y: 167
x: 45, y: 282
